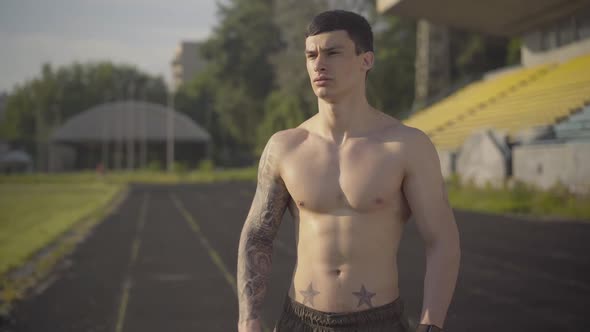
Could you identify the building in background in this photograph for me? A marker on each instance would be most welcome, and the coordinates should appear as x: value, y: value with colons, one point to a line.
x: 126, y: 135
x: 530, y: 122
x: 187, y: 63
x: 551, y: 30
x: 433, y: 66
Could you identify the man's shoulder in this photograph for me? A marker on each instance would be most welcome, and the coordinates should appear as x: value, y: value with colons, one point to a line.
x: 413, y: 137
x: 278, y: 146
x: 416, y: 147
x: 288, y: 138
x: 410, y: 141
x: 405, y: 135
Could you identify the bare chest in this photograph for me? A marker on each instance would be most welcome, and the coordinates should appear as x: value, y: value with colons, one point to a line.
x: 362, y: 176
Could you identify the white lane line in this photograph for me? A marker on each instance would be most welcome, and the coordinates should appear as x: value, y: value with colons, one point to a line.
x: 213, y: 254
x: 127, y: 282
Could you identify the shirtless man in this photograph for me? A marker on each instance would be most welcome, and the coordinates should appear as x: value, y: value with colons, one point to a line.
x: 350, y: 176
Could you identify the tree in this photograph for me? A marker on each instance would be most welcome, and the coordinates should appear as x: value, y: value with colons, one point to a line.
x: 239, y: 69
x: 282, y: 110
x: 474, y: 54
x: 36, y: 107
x: 292, y: 101
x: 390, y: 85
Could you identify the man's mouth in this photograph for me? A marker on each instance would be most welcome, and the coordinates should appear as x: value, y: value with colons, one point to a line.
x: 321, y: 78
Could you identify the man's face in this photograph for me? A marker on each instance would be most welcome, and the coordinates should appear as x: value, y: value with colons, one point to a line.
x: 334, y: 68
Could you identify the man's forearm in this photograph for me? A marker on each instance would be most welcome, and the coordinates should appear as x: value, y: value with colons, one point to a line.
x: 254, y: 263
x: 442, y: 269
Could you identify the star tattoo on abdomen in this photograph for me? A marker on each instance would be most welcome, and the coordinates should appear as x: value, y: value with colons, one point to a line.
x: 364, y: 297
x: 308, y: 294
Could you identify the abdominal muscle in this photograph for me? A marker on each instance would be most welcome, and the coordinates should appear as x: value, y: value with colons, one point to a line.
x: 346, y: 263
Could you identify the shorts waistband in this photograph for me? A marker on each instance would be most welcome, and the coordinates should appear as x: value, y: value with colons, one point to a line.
x: 387, y: 312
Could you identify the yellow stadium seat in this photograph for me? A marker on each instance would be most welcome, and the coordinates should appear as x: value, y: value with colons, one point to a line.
x: 512, y: 102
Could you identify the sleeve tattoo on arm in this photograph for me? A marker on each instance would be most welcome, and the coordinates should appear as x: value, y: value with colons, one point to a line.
x: 262, y: 223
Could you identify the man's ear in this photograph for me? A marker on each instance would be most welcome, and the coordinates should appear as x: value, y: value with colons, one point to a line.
x: 368, y: 60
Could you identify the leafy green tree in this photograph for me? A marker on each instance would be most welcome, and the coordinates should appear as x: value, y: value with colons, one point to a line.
x: 36, y: 107
x: 238, y: 59
x: 55, y: 96
x: 196, y: 98
x: 282, y: 110
x: 473, y: 54
x: 289, y: 63
x: 390, y: 85
x: 292, y: 101
x: 513, y: 51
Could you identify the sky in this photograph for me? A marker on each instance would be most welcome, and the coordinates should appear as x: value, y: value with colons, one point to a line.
x: 143, y: 33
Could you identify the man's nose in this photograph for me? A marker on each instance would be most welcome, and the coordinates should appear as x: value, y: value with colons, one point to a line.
x: 319, y: 64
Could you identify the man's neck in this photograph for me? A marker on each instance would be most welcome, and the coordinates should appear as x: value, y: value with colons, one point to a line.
x: 345, y: 118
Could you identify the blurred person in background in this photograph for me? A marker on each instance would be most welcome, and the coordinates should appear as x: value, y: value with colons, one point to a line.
x: 351, y: 176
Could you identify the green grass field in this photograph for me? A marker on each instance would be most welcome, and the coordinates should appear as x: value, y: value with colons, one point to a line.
x: 123, y: 177
x: 520, y: 199
x: 35, y: 214
x: 36, y: 208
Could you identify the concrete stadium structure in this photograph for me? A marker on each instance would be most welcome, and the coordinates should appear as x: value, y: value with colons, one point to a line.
x: 186, y: 63
x: 530, y: 122
x: 126, y: 134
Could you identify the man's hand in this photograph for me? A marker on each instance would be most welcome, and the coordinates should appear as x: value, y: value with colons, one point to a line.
x: 252, y: 325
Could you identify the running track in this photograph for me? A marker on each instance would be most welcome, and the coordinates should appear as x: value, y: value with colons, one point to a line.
x: 165, y: 260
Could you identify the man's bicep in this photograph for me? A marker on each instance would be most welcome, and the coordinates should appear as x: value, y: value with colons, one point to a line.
x: 268, y: 207
x: 425, y: 191
x: 271, y: 196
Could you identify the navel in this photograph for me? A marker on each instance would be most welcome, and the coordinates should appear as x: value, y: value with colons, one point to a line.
x: 336, y: 272
x: 379, y: 200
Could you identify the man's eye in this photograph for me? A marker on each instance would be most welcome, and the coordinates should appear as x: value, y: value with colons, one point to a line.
x: 332, y: 53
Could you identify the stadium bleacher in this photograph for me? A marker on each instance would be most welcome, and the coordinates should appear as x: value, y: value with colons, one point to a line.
x: 525, y: 98
x: 575, y: 127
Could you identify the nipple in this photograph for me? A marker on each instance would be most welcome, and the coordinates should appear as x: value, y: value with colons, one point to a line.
x: 300, y: 203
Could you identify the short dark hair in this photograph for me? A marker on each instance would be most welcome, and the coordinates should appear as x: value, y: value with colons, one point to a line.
x: 357, y: 27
